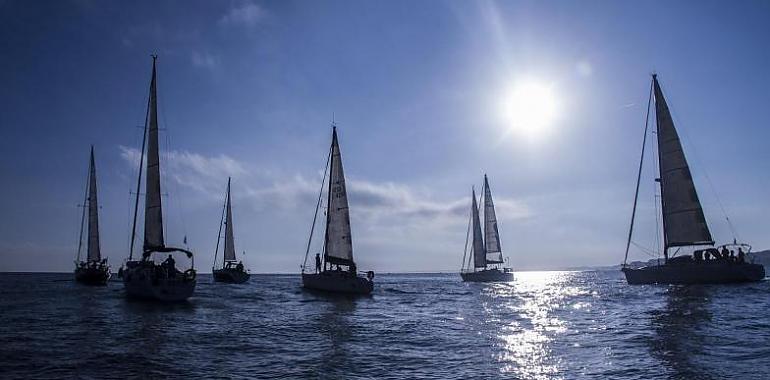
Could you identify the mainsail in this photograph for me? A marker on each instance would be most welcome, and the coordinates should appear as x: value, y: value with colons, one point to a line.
x: 229, y: 239
x: 153, y: 214
x: 494, y: 254
x: 683, y: 220
x: 339, y: 247
x: 94, y: 253
x: 479, y: 254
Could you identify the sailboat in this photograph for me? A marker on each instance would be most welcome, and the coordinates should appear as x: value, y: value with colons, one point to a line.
x: 231, y: 271
x: 485, y: 264
x: 94, y: 270
x: 684, y: 225
x: 336, y: 272
x: 144, y: 278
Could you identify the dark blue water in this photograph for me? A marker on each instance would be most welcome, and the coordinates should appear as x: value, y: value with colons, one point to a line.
x: 545, y: 325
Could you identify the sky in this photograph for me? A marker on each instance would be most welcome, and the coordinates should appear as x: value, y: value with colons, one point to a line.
x: 421, y: 94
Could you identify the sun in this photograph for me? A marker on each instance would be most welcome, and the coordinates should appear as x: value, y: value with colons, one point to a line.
x: 529, y: 107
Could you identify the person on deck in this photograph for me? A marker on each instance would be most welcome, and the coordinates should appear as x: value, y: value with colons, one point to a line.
x: 741, y: 255
x: 725, y: 253
x: 352, y: 269
x: 239, y: 267
x: 708, y: 255
x: 170, y: 265
x: 318, y: 263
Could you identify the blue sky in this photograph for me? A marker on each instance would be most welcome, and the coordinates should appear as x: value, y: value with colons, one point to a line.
x: 248, y: 89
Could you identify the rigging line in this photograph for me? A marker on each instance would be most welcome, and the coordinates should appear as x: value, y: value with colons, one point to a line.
x: 139, y: 180
x: 696, y: 159
x: 317, y: 206
x: 467, y: 235
x: 219, y: 234
x: 646, y: 250
x: 639, y: 174
x: 83, y: 215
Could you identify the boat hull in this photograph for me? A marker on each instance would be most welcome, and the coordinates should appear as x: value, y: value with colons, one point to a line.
x: 714, y: 272
x: 92, y: 276
x: 487, y: 275
x: 142, y: 281
x: 337, y: 282
x: 230, y: 276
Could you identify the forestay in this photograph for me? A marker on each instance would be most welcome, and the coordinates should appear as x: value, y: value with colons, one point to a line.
x: 683, y: 219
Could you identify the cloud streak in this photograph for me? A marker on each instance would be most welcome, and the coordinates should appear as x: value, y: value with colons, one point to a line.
x: 204, y: 60
x: 246, y: 14
x: 376, y: 203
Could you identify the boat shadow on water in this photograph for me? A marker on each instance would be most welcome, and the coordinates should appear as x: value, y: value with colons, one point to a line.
x: 144, y: 305
x: 679, y: 339
x: 334, y: 323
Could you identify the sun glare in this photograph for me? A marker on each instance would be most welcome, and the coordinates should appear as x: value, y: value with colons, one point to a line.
x: 529, y: 108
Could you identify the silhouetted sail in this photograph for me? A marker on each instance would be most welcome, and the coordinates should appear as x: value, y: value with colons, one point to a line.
x: 683, y: 220
x: 479, y: 253
x: 94, y: 253
x: 339, y: 247
x: 153, y: 214
x: 229, y: 239
x: 494, y: 252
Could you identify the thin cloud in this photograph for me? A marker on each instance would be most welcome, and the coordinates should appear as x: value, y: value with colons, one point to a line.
x: 204, y: 60
x: 246, y: 14
x: 375, y: 203
x: 192, y: 170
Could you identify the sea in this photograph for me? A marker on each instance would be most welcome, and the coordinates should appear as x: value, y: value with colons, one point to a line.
x: 543, y: 325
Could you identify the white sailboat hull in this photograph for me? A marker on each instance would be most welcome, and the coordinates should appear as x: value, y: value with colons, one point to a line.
x: 337, y: 282
x: 142, y: 282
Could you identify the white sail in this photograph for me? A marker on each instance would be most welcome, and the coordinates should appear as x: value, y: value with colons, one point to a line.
x: 479, y: 253
x: 339, y: 247
x: 229, y: 238
x: 683, y: 220
x: 494, y: 253
x: 153, y: 214
x: 94, y: 253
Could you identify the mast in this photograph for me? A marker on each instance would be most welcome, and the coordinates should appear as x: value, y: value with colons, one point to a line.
x: 229, y: 254
x: 494, y: 254
x: 639, y: 176
x: 479, y: 254
x: 94, y: 252
x: 153, y: 214
x: 683, y: 221
x: 338, y: 244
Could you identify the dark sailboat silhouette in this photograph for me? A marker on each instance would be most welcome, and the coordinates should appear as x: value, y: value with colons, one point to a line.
x: 231, y: 271
x: 144, y: 278
x: 485, y: 263
x: 94, y: 270
x: 337, y: 271
x: 684, y: 224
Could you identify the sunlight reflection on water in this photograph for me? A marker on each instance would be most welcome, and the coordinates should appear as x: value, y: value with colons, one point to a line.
x: 529, y: 308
